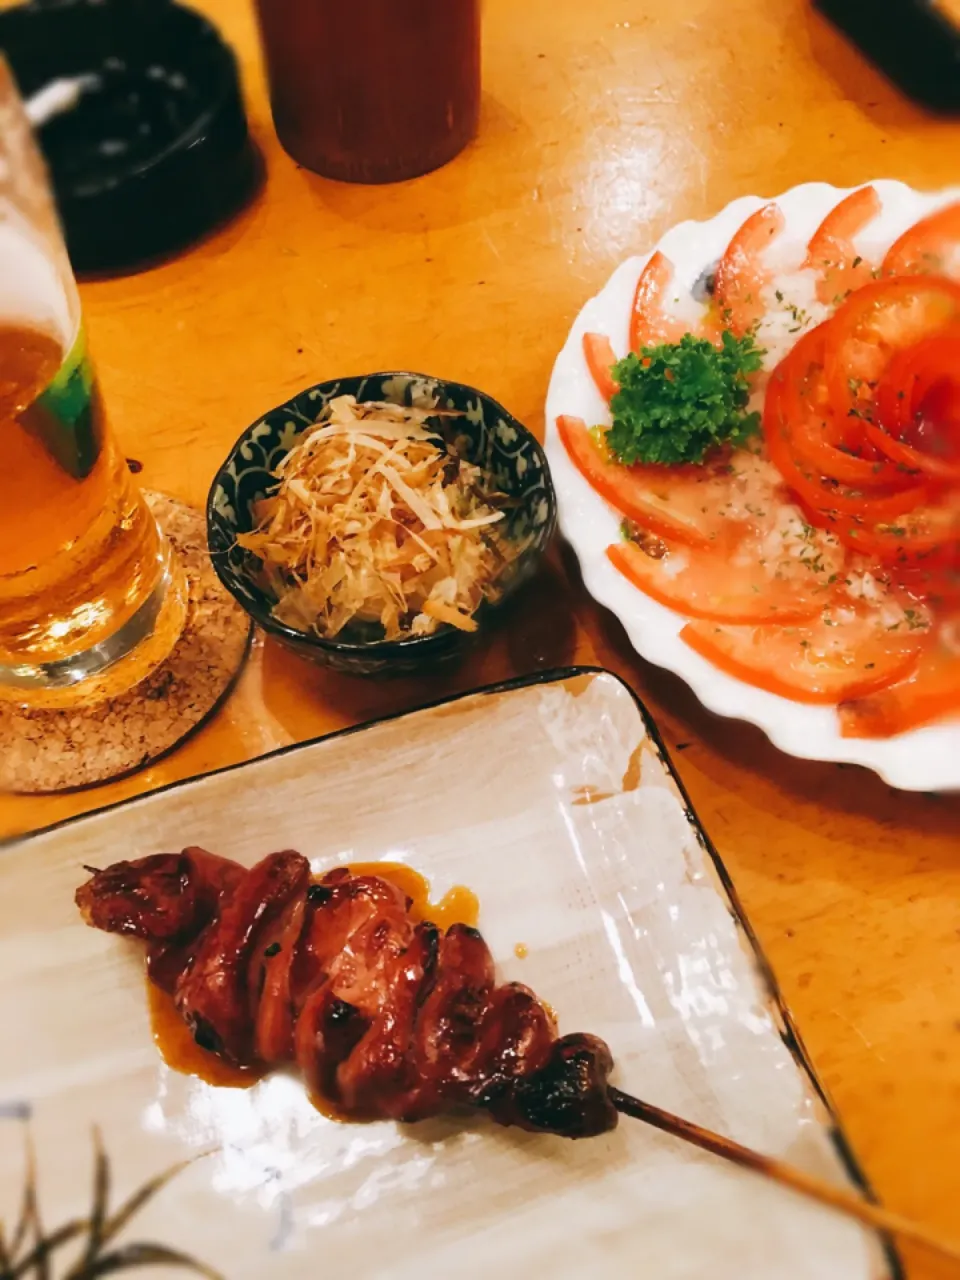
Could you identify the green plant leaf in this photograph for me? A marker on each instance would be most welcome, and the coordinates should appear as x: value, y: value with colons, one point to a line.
x: 38, y: 1259
x: 129, y: 1256
x: 101, y: 1200
x: 135, y: 1202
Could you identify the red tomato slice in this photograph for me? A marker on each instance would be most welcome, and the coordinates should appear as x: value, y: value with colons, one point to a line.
x: 600, y: 357
x: 937, y: 388
x: 836, y: 504
x: 650, y: 320
x: 934, y: 580
x: 930, y: 693
x: 685, y: 504
x: 812, y: 662
x: 912, y: 459
x: 875, y: 323
x: 916, y: 371
x: 931, y: 245
x: 896, y: 525
x: 742, y: 275
x: 831, y: 252
x: 918, y: 407
x: 928, y: 534
x: 718, y: 584
x: 835, y: 448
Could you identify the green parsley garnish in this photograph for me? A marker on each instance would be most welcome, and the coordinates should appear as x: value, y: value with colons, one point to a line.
x: 677, y: 401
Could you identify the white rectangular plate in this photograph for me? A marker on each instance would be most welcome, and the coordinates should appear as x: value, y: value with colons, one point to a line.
x: 553, y: 801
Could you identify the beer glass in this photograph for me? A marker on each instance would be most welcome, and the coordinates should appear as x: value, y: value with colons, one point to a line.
x: 90, y: 601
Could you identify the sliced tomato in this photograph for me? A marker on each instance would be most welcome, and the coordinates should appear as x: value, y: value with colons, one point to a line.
x: 682, y: 503
x: 650, y: 320
x: 928, y: 694
x: 718, y: 584
x: 812, y: 662
x: 934, y: 580
x: 600, y: 356
x: 835, y: 503
x: 923, y: 460
x: 831, y: 253
x: 875, y: 323
x: 897, y: 525
x: 937, y: 387
x: 927, y: 535
x: 931, y: 245
x: 897, y: 388
x: 742, y: 274
x: 918, y: 407
x: 835, y: 448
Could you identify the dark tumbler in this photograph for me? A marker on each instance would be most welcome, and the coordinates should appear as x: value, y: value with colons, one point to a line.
x: 373, y: 90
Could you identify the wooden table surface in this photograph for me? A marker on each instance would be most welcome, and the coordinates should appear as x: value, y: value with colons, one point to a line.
x: 603, y: 124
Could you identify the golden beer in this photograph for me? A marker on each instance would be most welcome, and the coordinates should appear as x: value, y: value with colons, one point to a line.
x: 85, y: 579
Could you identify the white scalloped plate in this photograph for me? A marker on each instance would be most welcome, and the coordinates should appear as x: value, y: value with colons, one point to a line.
x: 924, y: 760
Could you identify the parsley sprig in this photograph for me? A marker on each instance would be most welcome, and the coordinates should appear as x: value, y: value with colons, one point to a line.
x: 677, y: 401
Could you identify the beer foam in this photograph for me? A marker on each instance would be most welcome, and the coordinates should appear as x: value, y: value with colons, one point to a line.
x: 33, y: 289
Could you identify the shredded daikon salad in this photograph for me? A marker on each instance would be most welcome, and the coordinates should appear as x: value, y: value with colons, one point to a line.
x: 374, y: 521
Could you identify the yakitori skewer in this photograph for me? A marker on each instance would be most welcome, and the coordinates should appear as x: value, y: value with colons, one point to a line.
x: 834, y: 1197
x: 386, y: 1016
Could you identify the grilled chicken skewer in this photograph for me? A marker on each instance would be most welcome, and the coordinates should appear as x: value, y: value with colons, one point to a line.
x: 385, y: 1017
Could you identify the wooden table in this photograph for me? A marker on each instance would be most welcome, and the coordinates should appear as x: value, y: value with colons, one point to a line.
x: 603, y: 124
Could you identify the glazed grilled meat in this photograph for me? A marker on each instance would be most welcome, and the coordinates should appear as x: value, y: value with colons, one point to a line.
x: 384, y: 1016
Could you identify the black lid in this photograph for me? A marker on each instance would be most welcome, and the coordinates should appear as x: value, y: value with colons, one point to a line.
x: 914, y: 42
x: 157, y: 151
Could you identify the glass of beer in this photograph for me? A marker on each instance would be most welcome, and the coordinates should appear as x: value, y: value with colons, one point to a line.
x: 90, y: 599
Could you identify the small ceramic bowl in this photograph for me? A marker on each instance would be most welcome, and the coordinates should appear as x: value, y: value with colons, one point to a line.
x: 485, y: 435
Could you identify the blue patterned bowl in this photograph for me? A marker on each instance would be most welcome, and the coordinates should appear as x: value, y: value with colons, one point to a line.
x: 485, y: 435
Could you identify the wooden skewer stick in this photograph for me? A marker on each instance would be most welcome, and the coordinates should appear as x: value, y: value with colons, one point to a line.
x: 839, y: 1198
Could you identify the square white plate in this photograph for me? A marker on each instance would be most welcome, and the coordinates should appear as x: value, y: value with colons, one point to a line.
x: 553, y: 801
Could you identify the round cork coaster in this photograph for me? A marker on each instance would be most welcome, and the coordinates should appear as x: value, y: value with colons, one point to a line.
x: 60, y: 749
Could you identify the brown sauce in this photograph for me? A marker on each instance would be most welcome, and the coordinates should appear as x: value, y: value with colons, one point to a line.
x: 458, y: 906
x: 179, y: 1050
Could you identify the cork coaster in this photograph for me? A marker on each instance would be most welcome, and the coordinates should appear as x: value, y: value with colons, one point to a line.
x: 52, y: 749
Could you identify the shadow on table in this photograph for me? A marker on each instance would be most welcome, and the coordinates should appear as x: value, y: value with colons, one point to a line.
x: 454, y: 195
x: 536, y: 631
x: 723, y: 749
